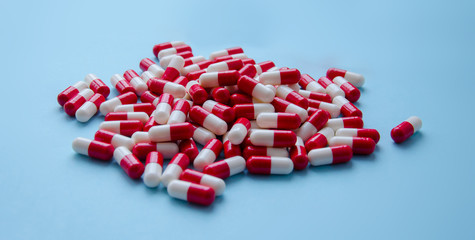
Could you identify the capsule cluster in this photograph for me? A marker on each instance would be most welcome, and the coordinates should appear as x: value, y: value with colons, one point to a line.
x: 261, y: 118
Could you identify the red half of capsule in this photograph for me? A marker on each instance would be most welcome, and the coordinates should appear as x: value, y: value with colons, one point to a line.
x: 188, y: 147
x: 220, y: 95
x: 298, y: 155
x: 402, y: 132
x: 316, y: 141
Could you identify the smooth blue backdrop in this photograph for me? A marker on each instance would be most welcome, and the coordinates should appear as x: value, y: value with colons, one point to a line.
x: 418, y: 59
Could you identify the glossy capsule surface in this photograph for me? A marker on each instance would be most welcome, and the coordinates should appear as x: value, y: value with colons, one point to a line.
x: 354, y: 78
x: 167, y: 149
x: 115, y: 139
x: 125, y: 127
x: 208, y: 154
x: 93, y: 148
x: 273, y: 138
x: 330, y: 155
x: 109, y: 105
x: 70, y: 92
x: 171, y: 132
x: 255, y: 89
x: 191, y: 192
x: 208, y: 120
x: 226, y: 168
x: 359, y: 132
x: 128, y: 162
x: 359, y: 145
x: 406, y: 129
x: 90, y: 107
x: 176, y: 166
x: 217, y: 184
x: 153, y: 169
x: 269, y: 165
x: 278, y: 120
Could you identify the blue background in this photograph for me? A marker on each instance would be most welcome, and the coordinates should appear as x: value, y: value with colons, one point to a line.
x: 417, y: 57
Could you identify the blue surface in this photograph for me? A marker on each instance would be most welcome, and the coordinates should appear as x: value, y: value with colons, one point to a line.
x: 417, y: 58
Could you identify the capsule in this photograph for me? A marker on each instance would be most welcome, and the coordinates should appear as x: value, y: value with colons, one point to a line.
x: 233, y: 64
x: 222, y: 111
x: 229, y: 149
x: 202, y: 135
x: 164, y: 107
x: 197, y: 93
x: 225, y: 52
x: 330, y: 155
x: 115, y: 139
x: 195, y: 75
x: 71, y: 106
x: 359, y: 132
x: 220, y: 95
x: 239, y: 131
x: 191, y: 192
x: 109, y: 105
x: 354, y: 78
x: 135, y: 81
x: 286, y: 76
x: 181, y: 80
x: 97, y: 85
x: 89, y: 108
x: 167, y: 149
x: 119, y: 83
x: 316, y: 96
x: 345, y: 122
x: 193, y: 60
x: 185, y: 55
x: 217, y: 184
x: 128, y: 162
x: 250, y: 151
x: 172, y: 132
x: 406, y: 129
x: 126, y: 128
x: 149, y: 124
x: 319, y: 139
x: 146, y: 76
x: 217, y: 79
x: 332, y: 108
x: 147, y: 108
x: 196, y: 67
x: 176, y: 166
x: 226, y: 168
x: 281, y: 105
x: 273, y: 138
x: 140, y: 137
x: 92, y: 148
x: 148, y: 97
x: 347, y: 108
x: 269, y: 165
x: 166, y: 45
x: 359, y: 145
x: 292, y: 96
x: 122, y: 116
x: 255, y: 89
x: 153, y: 169
x: 70, y: 92
x: 159, y: 86
x: 230, y: 57
x: 252, y: 110
x: 298, y: 155
x: 208, y: 154
x: 332, y: 89
x: 351, y: 92
x: 188, y: 147
x: 309, y: 84
x: 173, y: 50
x: 312, y: 110
x: 208, y: 120
x: 263, y: 66
x: 148, y: 65
x: 278, y: 120
x: 315, y: 123
x: 174, y: 68
x: 179, y: 112
x: 248, y: 70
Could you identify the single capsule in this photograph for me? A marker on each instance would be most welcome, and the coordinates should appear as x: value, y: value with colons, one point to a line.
x: 347, y: 108
x: 92, y: 148
x: 122, y: 116
x: 185, y: 55
x: 167, y: 149
x: 319, y: 139
x: 345, y: 122
x: 166, y: 45
x: 248, y: 70
x: 351, y: 92
x: 153, y: 169
x: 146, y: 76
x: 179, y: 112
x: 229, y: 149
x: 273, y: 138
x: 359, y: 132
x: 109, y: 105
x: 255, y: 89
x: 188, y: 147
x: 159, y: 86
x: 148, y: 97
x: 70, y: 92
x: 309, y: 84
x: 332, y: 108
x: 176, y: 166
x: 222, y: 111
x: 147, y: 108
x: 312, y: 110
x: 191, y: 192
x: 315, y: 123
x: 174, y: 68
x: 140, y: 137
x: 250, y: 151
x: 193, y: 60
x: 292, y: 96
x: 298, y: 155
x: 220, y: 95
x: 278, y: 120
x: 147, y: 65
x: 252, y: 110
x: 90, y: 107
x: 149, y: 124
x: 71, y: 106
x: 126, y: 128
x: 208, y: 154
x: 359, y: 145
x: 230, y: 57
x: 217, y: 184
x: 281, y: 105
x: 195, y: 75
x: 225, y: 52
x: 202, y: 135
x: 173, y: 50
x: 137, y: 83
x: 316, y: 96
x: 97, y: 85
x: 330, y: 155
x: 234, y: 64
x: 332, y: 89
x: 263, y: 66
x: 226, y: 168
x: 406, y: 129
x: 219, y: 79
x: 287, y: 76
x: 128, y: 162
x: 181, y: 80
x: 354, y: 78
x: 164, y: 107
x: 172, y: 132
x: 269, y: 165
x: 197, y: 93
x: 122, y: 86
x: 196, y: 67
x: 115, y: 139
x: 239, y: 131
x: 208, y: 120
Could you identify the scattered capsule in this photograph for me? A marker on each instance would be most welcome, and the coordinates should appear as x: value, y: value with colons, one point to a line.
x: 332, y: 89
x: 281, y: 105
x: 109, y: 105
x: 354, y: 78
x: 292, y: 96
x: 179, y: 112
x: 346, y: 107
x: 298, y: 155
x: 278, y: 120
x: 233, y: 64
x: 159, y: 86
x: 173, y: 50
x: 171, y: 132
x: 316, y: 96
x: 208, y: 120
x: 162, y: 46
x: 167, y: 149
x: 359, y: 132
x: 115, y: 139
x: 196, y: 67
x: 153, y: 169
x: 269, y: 165
x: 229, y: 149
x: 202, y: 135
x: 208, y: 154
x: 176, y: 166
x: 238, y: 98
x: 314, y: 123
x: 252, y: 110
x: 147, y: 108
x: 319, y: 139
x: 92, y: 148
x: 197, y: 92
x: 122, y: 86
x: 359, y: 145
x: 239, y: 131
x: 126, y: 128
x: 255, y: 89
x: 250, y: 151
x: 287, y: 76
x: 70, y: 92
x: 273, y: 138
x: 128, y: 162
x: 351, y: 92
x: 149, y: 124
x: 90, y: 107
x: 195, y: 75
x: 147, y: 65
x: 330, y: 155
x: 222, y: 111
x: 174, y: 68
x: 148, y: 97
x: 230, y: 57
x: 188, y: 147
x: 331, y: 108
x: 146, y: 76
x: 135, y: 81
x: 97, y: 85
x: 122, y: 116
x: 220, y: 95
x: 191, y: 192
x: 406, y: 129
x: 217, y: 79
x: 345, y: 122
x: 226, y: 168
x: 71, y: 106
x: 217, y: 184
x: 225, y: 52
x: 309, y: 84
x: 164, y: 107
x: 248, y: 70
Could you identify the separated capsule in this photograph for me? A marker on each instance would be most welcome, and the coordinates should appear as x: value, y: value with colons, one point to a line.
x: 239, y: 131
x: 406, y: 129
x: 191, y: 192
x: 70, y: 92
x: 92, y: 148
x: 90, y: 107
x: 319, y: 139
x: 269, y: 165
x: 208, y: 154
x: 97, y: 85
x: 217, y: 184
x: 115, y: 139
x: 153, y: 169
x: 164, y: 108
x: 298, y: 155
x: 128, y: 162
x: 330, y: 155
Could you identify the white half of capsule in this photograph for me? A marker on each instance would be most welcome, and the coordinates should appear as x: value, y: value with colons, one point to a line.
x: 80, y: 85
x: 141, y: 116
x: 340, y: 141
x: 416, y: 122
x: 179, y: 189
x: 155, y: 71
x: 333, y: 109
x: 209, y: 80
x: 202, y: 135
x: 263, y: 93
x: 340, y: 101
x: 160, y: 133
x: 347, y: 132
x: 167, y: 149
x: 112, y: 126
x: 86, y: 111
x: 218, y: 54
x: 272, y: 78
x: 141, y: 137
x: 89, y: 78
x: 116, y: 78
x: 292, y: 108
x: 261, y: 137
x: 356, y: 79
x: 329, y: 133
x: 204, y: 158
x: 333, y: 90
x: 315, y: 87
x: 217, y: 184
x: 122, y: 141
x: 215, y: 124
x: 177, y: 62
x: 152, y: 175
x: 166, y: 52
x: 174, y: 89
x: 109, y: 105
x: 139, y: 85
x: 217, y: 67
x: 306, y: 131
x: 283, y: 91
x: 190, y: 68
x: 335, y: 124
x: 120, y: 153
x: 262, y: 108
x: 281, y: 165
x: 339, y: 81
x: 236, y: 165
x: 237, y: 134
x: 295, y: 87
x: 172, y: 172
x: 176, y: 117
x: 320, y: 156
x: 162, y: 113
x: 267, y: 120
x: 81, y: 145
x: 277, y: 152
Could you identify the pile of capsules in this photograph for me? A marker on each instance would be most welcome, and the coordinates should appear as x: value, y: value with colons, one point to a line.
x: 270, y: 120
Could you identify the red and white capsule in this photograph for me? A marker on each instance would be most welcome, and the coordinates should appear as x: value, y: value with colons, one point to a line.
x: 314, y: 123
x: 197, y: 92
x: 354, y: 78
x: 164, y: 107
x: 115, y: 139
x: 351, y: 92
x: 70, y: 92
x: 185, y: 55
x: 273, y: 138
x: 346, y: 107
x: 188, y: 147
x: 233, y: 64
x: 208, y: 120
x: 292, y: 96
x: 359, y: 132
x: 222, y: 111
x: 406, y: 129
x: 140, y: 137
x: 191, y: 192
x: 316, y: 96
x: 319, y: 139
x: 226, y: 168
x: 331, y: 108
x: 148, y: 65
x: 345, y: 122
x: 250, y: 151
x: 126, y: 128
x: 208, y: 154
x: 229, y: 57
x: 217, y: 184
x: 239, y: 131
x: 255, y: 89
x: 173, y: 51
x: 159, y: 86
x: 332, y: 89
x: 202, y: 135
x: 97, y: 85
x: 252, y: 110
x: 166, y: 45
x: 109, y: 105
x: 90, y: 107
x: 171, y: 132
x: 359, y: 145
x: 167, y: 149
x: 278, y: 120
x: 122, y: 116
x: 220, y: 94
x: 153, y: 169
x: 286, y: 76
x: 128, y: 162
x: 330, y: 155
x: 174, y: 68
x: 248, y: 70
x: 92, y: 148
x: 196, y: 67
x: 71, y: 106
x: 309, y: 84
x: 225, y: 52
x: 263, y: 66
x: 229, y: 149
x: 119, y: 83
x: 217, y: 79
x: 146, y: 108
x: 269, y: 165
x: 179, y: 112
x: 298, y: 155
x: 135, y: 81
x: 176, y: 166
x: 282, y: 105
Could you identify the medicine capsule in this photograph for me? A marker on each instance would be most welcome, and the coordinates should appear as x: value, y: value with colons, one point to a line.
x: 239, y: 131
x: 287, y: 76
x: 354, y: 78
x: 226, y: 168
x: 312, y: 110
x: 179, y: 112
x: 185, y: 55
x: 146, y: 76
x: 316, y: 96
x: 331, y: 108
x: 208, y: 154
x: 278, y: 120
x: 298, y: 155
x: 173, y: 50
x: 126, y: 128
x: 406, y: 129
x: 208, y: 120
x: 196, y: 67
x: 149, y: 124
x: 233, y: 64
x: 90, y: 107
x: 128, y: 162
x: 345, y: 122
x: 109, y: 105
x: 197, y: 93
x: 346, y: 107
x: 147, y: 65
x: 153, y: 169
x: 146, y: 108
x: 174, y: 68
x: 314, y: 123
x: 248, y: 70
x: 292, y: 96
x: 140, y: 137
x: 263, y: 66
x: 135, y: 81
x: 195, y: 75
x: 148, y: 97
x: 222, y: 111
x: 92, y: 148
x: 225, y: 52
x: 181, y: 80
x: 281, y: 105
x: 176, y: 166
x: 269, y: 165
x: 172, y: 132
x: 202, y: 135
x: 359, y: 132
x: 229, y: 149
x: 319, y: 139
x: 351, y: 92
x: 359, y: 145
x: 191, y: 192
x: 250, y: 151
x: 97, y: 85
x: 71, y: 106
x: 216, y: 79
x: 122, y: 116
x: 332, y: 89
x: 255, y: 89
x: 167, y: 149
x: 220, y: 95
x: 252, y: 110
x: 159, y: 86
x: 192, y: 60
x: 119, y: 83
x: 164, y: 107
x: 115, y: 139
x: 330, y: 155
x: 70, y: 92
x: 273, y: 138
x: 162, y: 46
x: 188, y: 147
x: 230, y: 57
x: 238, y: 98
x: 309, y: 84
x: 217, y: 184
